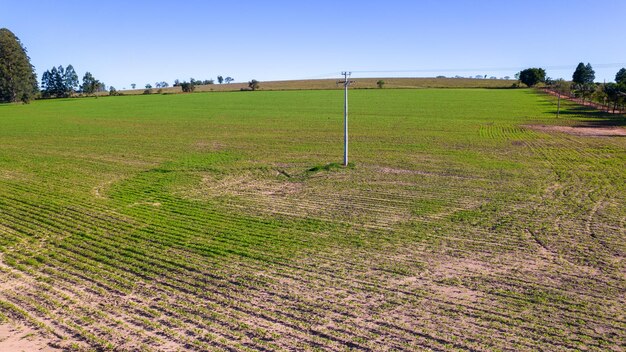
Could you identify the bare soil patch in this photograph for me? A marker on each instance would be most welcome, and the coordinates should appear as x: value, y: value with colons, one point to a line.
x: 600, y: 131
x: 19, y: 337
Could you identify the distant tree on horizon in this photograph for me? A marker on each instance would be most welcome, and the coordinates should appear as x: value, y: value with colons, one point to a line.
x: 583, y: 78
x: 59, y: 82
x: 18, y: 81
x: 583, y: 74
x: 91, y: 84
x: 620, y: 76
x: 148, y: 86
x: 532, y: 76
x: 188, y: 87
x: 380, y: 83
x: 228, y: 79
x: 220, y: 79
x: 253, y: 84
x: 133, y: 85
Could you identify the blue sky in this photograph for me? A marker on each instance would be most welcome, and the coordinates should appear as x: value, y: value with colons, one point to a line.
x: 124, y: 42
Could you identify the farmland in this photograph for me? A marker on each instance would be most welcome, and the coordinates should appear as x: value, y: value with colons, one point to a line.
x: 220, y: 221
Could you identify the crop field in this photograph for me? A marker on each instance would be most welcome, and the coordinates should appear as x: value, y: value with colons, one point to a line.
x: 466, y: 221
x: 328, y: 84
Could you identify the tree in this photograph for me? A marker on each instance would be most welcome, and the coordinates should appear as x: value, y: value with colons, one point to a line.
x: 583, y: 74
x: 148, y: 86
x: 616, y: 93
x: 70, y: 80
x: 188, y: 87
x: 90, y: 84
x: 380, y: 83
x: 51, y: 83
x: 17, y: 77
x: 133, y: 85
x: 254, y: 84
x: 59, y: 82
x: 620, y: 76
x: 583, y: 80
x: 220, y: 79
x: 228, y: 79
x: 532, y: 76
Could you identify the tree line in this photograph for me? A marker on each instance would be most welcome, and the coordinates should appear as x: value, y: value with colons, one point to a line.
x: 582, y: 85
x: 60, y: 82
x: 18, y: 81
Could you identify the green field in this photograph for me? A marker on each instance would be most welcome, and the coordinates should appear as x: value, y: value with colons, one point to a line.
x: 221, y: 221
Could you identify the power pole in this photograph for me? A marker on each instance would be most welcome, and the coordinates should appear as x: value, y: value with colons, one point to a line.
x: 346, y: 83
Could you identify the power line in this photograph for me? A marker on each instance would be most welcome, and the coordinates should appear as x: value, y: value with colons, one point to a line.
x: 427, y: 70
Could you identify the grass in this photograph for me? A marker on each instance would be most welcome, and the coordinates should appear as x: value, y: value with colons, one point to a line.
x: 225, y: 221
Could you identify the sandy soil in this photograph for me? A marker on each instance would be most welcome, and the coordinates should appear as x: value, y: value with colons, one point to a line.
x: 582, y: 131
x: 17, y: 338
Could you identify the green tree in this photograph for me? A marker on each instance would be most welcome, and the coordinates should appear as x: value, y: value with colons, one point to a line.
x: 90, y: 84
x: 59, y: 82
x: 17, y: 77
x: 583, y: 78
x: 70, y: 80
x: 620, y: 76
x: 220, y: 79
x: 532, y: 76
x: 188, y: 87
x: 615, y: 93
x: 380, y: 83
x: 583, y: 74
x: 254, y: 84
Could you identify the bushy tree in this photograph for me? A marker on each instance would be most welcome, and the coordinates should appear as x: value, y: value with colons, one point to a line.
x: 90, y: 84
x: 583, y: 74
x: 253, y: 84
x: 380, y: 83
x: 620, y: 76
x: 17, y: 77
x: 220, y: 79
x: 532, y: 76
x: 188, y: 87
x: 228, y: 79
x: 583, y: 78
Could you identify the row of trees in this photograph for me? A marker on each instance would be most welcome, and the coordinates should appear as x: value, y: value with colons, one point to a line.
x: 221, y: 79
x: 610, y: 95
x: 60, y: 82
x: 582, y: 85
x: 187, y: 86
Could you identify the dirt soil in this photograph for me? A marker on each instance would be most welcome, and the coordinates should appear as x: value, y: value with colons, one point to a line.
x: 603, y: 131
x: 17, y: 338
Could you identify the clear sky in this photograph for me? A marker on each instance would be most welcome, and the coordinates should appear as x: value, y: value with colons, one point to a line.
x: 125, y: 41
